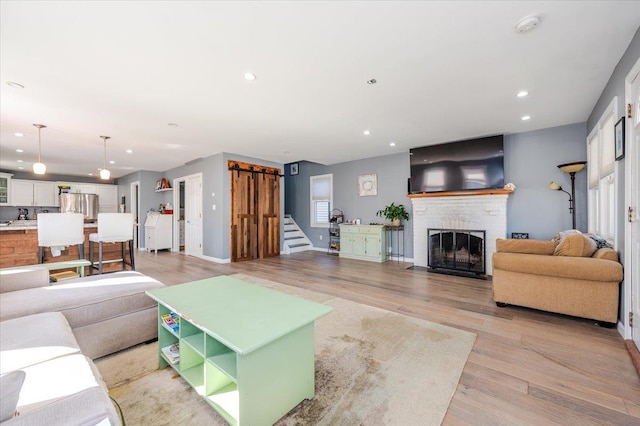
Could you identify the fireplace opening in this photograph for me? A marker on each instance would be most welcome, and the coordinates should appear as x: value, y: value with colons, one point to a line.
x: 456, y: 251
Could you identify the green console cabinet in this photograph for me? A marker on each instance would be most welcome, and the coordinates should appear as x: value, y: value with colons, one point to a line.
x: 363, y: 242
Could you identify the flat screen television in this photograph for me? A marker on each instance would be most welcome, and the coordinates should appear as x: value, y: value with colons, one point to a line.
x: 467, y: 165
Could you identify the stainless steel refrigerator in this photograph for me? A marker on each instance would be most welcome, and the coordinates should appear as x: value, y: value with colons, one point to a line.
x: 87, y: 204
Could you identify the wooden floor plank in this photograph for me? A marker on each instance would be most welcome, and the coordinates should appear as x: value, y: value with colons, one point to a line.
x: 526, y: 368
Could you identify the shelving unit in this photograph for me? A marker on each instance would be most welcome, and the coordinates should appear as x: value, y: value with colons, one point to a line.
x: 337, y: 217
x: 363, y: 242
x: 250, y: 361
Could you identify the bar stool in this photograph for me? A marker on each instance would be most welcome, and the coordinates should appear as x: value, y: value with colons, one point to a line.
x: 112, y: 228
x: 58, y: 230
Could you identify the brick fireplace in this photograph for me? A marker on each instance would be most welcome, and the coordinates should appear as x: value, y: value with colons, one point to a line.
x: 477, y: 210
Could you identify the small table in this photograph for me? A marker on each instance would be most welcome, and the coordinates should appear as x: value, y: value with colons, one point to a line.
x: 246, y: 349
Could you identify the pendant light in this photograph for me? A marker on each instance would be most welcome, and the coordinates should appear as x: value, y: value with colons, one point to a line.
x: 104, y: 173
x: 39, y: 168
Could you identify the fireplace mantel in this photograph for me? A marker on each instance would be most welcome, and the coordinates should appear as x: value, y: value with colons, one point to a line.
x: 461, y: 193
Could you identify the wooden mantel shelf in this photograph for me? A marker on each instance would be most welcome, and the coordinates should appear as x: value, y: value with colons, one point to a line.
x: 462, y: 193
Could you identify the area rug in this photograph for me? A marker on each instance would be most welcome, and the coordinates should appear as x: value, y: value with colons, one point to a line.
x: 373, y: 367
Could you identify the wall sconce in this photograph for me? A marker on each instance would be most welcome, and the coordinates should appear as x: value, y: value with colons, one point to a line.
x: 572, y: 169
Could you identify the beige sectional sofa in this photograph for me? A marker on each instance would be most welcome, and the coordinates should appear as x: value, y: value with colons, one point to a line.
x: 572, y: 277
x: 49, y: 335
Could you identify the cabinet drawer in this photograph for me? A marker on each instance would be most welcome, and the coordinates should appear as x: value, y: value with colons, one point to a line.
x: 349, y: 229
x: 376, y: 230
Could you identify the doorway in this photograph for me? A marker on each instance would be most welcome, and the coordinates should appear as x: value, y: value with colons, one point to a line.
x: 135, y: 209
x: 187, y: 227
x: 632, y: 204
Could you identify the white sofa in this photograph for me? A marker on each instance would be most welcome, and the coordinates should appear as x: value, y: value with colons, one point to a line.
x: 49, y: 335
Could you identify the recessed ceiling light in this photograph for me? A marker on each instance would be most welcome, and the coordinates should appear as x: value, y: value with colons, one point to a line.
x: 129, y: 151
x: 18, y: 134
x: 15, y: 85
x: 172, y: 124
x: 249, y: 76
x: 20, y: 168
x: 392, y: 144
x: 372, y: 81
x: 20, y: 161
x: 527, y: 24
x: 526, y: 117
x: 112, y: 162
x: 19, y: 150
x: 366, y: 133
x: 90, y: 174
x: 522, y: 93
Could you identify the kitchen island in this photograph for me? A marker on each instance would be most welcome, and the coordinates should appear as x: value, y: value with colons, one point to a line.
x: 19, y: 247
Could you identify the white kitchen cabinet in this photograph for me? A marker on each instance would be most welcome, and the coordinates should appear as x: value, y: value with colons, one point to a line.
x: 108, y: 198
x: 33, y: 193
x: 5, y: 189
x: 86, y: 188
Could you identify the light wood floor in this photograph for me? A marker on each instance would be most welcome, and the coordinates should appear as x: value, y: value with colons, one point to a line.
x: 526, y: 367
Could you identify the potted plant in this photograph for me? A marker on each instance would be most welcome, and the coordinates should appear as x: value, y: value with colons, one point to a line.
x: 394, y: 212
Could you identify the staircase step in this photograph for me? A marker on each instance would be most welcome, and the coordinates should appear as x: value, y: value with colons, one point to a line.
x: 299, y: 245
x: 294, y: 238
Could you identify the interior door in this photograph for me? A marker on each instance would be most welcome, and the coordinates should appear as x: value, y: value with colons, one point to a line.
x: 268, y: 215
x: 193, y: 216
x: 243, y: 216
x: 633, y: 206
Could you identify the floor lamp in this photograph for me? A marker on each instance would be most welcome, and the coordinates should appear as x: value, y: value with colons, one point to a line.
x: 572, y: 169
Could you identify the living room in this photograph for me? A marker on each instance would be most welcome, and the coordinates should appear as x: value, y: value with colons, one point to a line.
x: 531, y: 158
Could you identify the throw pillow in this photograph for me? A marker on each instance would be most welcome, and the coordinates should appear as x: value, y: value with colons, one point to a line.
x: 10, y: 385
x: 576, y: 245
x: 560, y: 235
x: 600, y: 242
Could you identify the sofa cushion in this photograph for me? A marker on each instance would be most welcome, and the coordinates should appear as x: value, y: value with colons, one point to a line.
x: 14, y: 279
x: 576, y: 245
x: 525, y: 246
x: 34, y: 339
x: 84, y: 300
x: 10, y: 385
x: 582, y: 268
x: 52, y: 383
x: 606, y: 253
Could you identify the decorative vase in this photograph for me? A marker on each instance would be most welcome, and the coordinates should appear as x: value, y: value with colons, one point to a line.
x: 395, y: 222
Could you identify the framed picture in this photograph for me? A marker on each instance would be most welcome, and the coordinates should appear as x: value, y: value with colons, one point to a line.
x: 619, y: 132
x: 367, y: 185
x: 159, y: 185
x: 520, y: 235
x: 294, y: 169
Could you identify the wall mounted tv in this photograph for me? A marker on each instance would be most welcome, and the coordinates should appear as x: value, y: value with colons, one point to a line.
x: 467, y: 165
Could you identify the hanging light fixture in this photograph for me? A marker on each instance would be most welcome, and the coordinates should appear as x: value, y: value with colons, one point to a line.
x: 39, y: 168
x: 104, y: 173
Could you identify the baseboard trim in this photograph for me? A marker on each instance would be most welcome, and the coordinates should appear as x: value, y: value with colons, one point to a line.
x: 214, y: 259
x: 634, y: 353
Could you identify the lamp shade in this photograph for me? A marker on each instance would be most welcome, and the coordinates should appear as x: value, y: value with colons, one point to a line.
x: 39, y: 168
x: 574, y: 167
x: 105, y: 174
x: 554, y: 185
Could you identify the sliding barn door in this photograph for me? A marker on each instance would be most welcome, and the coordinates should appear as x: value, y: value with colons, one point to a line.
x: 268, y: 215
x: 244, y: 237
x: 255, y: 211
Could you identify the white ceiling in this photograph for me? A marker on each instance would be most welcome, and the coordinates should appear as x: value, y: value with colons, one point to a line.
x: 446, y: 71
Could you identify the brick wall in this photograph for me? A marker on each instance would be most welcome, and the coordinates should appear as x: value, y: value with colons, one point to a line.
x: 477, y: 212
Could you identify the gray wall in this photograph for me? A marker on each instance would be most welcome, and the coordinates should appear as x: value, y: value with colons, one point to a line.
x: 531, y: 161
x: 148, y: 198
x: 616, y: 87
x: 215, y: 180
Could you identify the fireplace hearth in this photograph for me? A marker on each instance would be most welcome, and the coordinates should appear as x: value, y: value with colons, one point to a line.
x: 457, y: 251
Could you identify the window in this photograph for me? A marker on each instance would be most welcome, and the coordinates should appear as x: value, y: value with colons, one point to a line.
x: 321, y: 200
x: 602, y: 175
